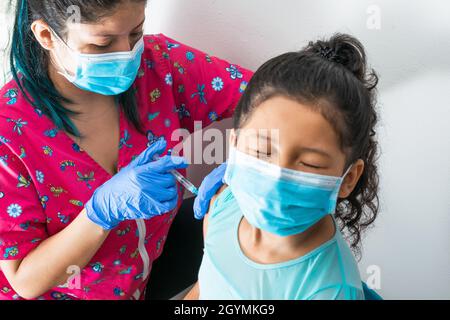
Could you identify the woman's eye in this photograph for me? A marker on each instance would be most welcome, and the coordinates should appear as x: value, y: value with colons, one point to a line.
x: 102, y: 46
x: 137, y: 34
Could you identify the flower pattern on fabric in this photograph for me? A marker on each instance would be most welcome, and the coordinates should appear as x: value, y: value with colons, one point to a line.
x: 14, y: 210
x: 217, y: 84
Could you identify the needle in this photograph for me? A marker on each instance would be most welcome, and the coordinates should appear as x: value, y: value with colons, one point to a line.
x: 181, y: 179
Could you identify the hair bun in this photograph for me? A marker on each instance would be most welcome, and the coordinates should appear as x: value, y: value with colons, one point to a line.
x: 348, y: 52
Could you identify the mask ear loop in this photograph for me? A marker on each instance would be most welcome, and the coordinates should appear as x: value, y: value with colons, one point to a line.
x: 341, y: 180
x: 65, y: 74
x: 347, y: 171
x: 338, y: 189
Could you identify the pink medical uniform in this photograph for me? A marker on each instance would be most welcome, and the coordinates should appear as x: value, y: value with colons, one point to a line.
x: 46, y: 178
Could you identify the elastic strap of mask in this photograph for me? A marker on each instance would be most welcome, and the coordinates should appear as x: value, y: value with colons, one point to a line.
x: 334, y: 196
x: 347, y: 171
x: 66, y: 74
x: 60, y: 40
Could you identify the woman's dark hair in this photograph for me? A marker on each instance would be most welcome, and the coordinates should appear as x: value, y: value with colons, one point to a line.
x: 331, y: 76
x: 29, y: 61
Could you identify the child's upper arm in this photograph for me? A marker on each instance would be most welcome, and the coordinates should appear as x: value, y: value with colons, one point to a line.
x: 211, y: 205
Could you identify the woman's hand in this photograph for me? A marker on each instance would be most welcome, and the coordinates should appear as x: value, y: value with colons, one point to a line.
x: 210, y: 185
x: 142, y: 190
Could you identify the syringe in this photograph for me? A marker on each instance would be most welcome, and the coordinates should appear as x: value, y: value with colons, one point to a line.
x: 185, y: 182
x: 181, y: 179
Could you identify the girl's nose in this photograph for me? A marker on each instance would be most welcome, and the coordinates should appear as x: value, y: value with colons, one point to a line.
x: 124, y: 44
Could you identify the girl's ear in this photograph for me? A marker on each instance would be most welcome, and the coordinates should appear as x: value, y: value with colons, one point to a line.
x: 43, y: 34
x: 351, y: 179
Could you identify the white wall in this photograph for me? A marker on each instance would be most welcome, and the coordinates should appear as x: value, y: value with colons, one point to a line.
x: 6, y: 24
x: 411, y: 51
x: 411, y: 240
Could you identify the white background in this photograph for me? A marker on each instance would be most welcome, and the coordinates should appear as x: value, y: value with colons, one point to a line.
x: 411, y: 51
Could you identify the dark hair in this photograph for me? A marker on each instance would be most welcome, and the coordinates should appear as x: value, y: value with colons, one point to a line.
x: 29, y: 61
x: 331, y: 76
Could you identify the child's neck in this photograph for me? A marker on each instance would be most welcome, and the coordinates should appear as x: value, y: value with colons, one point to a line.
x: 267, y: 248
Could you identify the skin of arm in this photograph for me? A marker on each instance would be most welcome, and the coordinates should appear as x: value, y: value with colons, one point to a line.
x: 194, y: 293
x: 46, y: 266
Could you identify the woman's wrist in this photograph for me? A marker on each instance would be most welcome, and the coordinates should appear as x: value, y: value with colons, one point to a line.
x: 97, y: 217
x: 96, y: 227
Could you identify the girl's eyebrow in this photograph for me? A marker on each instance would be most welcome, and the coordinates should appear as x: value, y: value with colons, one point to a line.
x: 315, y: 150
x: 262, y: 136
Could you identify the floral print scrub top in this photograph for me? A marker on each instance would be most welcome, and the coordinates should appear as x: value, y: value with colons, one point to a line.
x: 46, y: 178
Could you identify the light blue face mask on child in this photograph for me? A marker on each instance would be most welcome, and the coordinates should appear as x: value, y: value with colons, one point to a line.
x: 279, y: 200
x: 108, y: 73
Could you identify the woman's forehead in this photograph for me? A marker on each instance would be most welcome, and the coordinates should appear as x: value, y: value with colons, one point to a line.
x: 125, y: 19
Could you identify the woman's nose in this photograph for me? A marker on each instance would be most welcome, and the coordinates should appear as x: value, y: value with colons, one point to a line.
x: 124, y: 44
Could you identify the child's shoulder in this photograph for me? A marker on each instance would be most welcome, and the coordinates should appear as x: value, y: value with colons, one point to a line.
x: 222, y: 195
x: 223, y: 209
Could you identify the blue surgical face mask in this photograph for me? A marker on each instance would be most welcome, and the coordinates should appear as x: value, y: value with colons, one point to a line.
x: 279, y: 200
x: 106, y: 74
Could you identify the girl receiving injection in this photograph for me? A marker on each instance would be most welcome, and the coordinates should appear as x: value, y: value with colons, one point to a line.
x: 278, y: 228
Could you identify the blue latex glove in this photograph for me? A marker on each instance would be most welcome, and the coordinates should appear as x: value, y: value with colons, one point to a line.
x: 210, y: 185
x: 142, y: 190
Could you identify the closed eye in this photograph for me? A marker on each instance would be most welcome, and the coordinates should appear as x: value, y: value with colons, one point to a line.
x: 102, y: 46
x: 311, y: 165
x: 137, y: 34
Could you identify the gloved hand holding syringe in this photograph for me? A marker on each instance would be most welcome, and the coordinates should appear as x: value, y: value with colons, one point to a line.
x: 182, y: 180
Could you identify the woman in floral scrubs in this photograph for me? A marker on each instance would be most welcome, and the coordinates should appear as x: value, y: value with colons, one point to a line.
x: 47, y: 176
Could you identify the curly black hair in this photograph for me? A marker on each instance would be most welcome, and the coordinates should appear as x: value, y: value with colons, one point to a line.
x: 333, y: 77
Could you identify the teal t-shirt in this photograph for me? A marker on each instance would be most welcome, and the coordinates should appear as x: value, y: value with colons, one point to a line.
x: 328, y: 272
